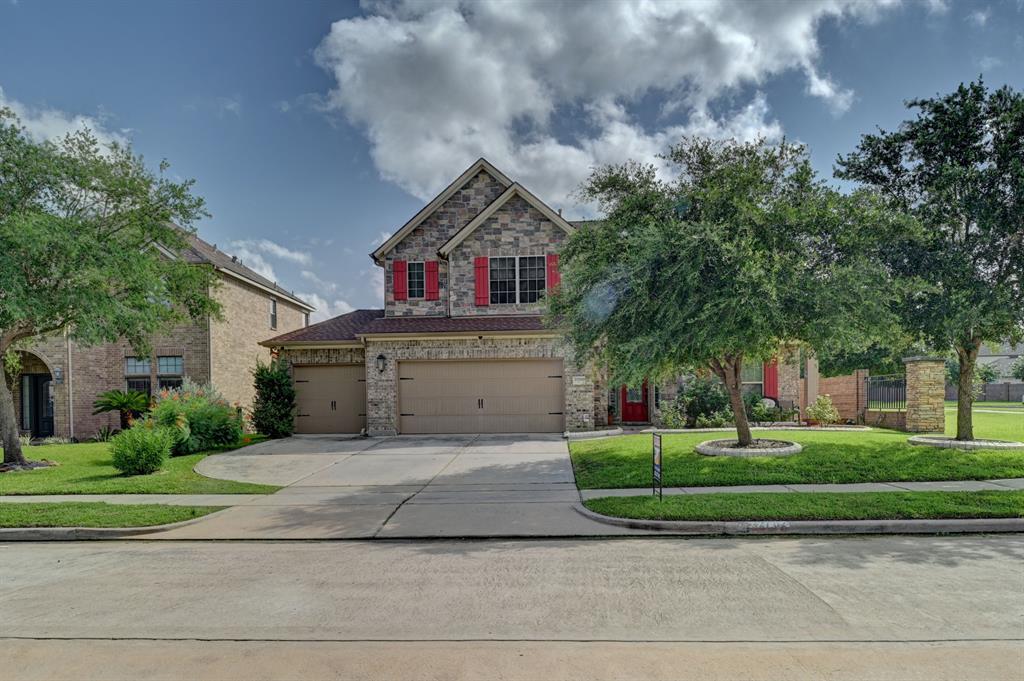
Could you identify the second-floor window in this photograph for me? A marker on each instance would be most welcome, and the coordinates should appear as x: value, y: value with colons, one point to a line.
x: 273, y: 313
x: 517, y: 279
x: 417, y: 280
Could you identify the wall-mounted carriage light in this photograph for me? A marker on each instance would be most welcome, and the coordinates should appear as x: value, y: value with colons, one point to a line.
x: 382, y: 362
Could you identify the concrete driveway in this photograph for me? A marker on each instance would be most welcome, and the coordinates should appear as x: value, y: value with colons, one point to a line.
x: 400, y: 487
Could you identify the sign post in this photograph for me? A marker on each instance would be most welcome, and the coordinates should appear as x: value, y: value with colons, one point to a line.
x: 656, y: 485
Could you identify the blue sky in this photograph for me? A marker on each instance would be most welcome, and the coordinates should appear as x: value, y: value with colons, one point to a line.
x: 312, y: 129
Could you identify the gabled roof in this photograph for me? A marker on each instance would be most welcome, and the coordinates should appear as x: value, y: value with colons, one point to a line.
x: 343, y: 328
x: 515, y: 189
x: 470, y: 172
x: 200, y: 252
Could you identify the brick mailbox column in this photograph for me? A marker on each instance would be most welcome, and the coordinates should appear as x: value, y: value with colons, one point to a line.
x: 926, y: 392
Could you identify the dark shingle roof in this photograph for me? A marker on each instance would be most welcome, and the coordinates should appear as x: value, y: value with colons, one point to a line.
x: 200, y: 252
x: 342, y: 328
x: 386, y: 325
x: 349, y: 327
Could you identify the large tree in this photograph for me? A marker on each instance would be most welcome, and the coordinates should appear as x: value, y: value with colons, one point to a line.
x: 745, y: 252
x: 87, y: 244
x: 958, y: 167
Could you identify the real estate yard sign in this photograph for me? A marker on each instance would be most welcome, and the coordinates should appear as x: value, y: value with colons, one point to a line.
x: 656, y: 487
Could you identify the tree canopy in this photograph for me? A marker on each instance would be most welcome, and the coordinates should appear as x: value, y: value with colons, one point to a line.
x: 88, y: 244
x: 744, y: 252
x: 958, y: 169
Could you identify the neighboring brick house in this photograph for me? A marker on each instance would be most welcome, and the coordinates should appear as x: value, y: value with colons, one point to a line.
x: 460, y: 345
x: 60, y: 379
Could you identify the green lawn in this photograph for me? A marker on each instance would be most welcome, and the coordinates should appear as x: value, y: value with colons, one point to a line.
x: 1003, y: 426
x: 95, y: 514
x: 816, y: 506
x: 991, y: 405
x: 828, y: 457
x: 86, y: 469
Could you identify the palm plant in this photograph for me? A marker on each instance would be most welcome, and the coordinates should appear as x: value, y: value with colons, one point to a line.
x: 129, y: 404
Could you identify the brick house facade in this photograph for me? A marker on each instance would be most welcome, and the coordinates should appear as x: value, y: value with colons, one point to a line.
x: 60, y: 379
x: 460, y: 344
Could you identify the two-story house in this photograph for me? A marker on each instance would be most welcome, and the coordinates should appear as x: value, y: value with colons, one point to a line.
x: 460, y: 345
x: 60, y: 379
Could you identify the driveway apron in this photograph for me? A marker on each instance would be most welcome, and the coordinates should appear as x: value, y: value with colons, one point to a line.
x: 399, y: 487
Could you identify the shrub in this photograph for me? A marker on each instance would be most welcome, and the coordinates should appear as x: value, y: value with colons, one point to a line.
x: 823, y: 411
x: 128, y: 404
x: 703, y: 397
x: 1017, y: 368
x: 273, y: 410
x: 672, y: 416
x: 718, y: 419
x: 142, y: 449
x: 198, y: 418
x: 104, y: 434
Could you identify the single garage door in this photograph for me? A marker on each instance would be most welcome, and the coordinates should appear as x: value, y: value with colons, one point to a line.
x: 485, y: 396
x: 330, y: 399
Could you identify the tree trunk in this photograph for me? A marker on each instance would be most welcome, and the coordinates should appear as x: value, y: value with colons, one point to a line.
x: 9, y: 424
x: 729, y: 372
x: 126, y: 419
x: 968, y: 357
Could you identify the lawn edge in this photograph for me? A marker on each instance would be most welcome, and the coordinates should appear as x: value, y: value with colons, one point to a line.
x: 92, y: 533
x: 822, y: 527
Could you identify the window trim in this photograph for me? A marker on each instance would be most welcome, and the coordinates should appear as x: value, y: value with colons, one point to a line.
x: 408, y: 279
x: 161, y: 376
x: 273, y: 314
x: 516, y: 259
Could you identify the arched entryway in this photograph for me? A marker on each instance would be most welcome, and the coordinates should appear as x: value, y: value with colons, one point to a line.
x: 33, y: 390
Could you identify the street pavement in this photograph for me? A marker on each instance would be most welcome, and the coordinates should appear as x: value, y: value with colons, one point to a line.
x: 795, y: 608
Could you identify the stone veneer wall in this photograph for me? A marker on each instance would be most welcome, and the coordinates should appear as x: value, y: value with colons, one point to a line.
x: 789, y: 379
x: 234, y: 339
x: 382, y: 387
x: 422, y: 243
x: 926, y: 391
x: 517, y: 228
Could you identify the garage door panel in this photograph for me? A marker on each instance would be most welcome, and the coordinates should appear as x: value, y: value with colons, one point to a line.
x: 330, y: 399
x: 481, y: 396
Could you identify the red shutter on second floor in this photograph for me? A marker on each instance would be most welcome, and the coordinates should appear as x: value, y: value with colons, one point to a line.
x: 554, y: 277
x: 433, y: 292
x: 400, y: 282
x: 771, y: 379
x: 481, y: 268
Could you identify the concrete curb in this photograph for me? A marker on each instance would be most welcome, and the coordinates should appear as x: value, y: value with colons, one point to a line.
x: 92, y: 533
x: 786, y: 527
x: 592, y: 434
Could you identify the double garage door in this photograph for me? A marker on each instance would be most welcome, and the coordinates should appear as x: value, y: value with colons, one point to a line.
x: 330, y: 399
x: 485, y: 396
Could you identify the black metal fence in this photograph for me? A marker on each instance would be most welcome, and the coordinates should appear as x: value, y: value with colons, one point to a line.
x: 886, y: 393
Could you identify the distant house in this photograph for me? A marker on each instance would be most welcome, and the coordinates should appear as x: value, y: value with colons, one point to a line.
x: 1001, y: 358
x: 460, y: 345
x: 59, y: 379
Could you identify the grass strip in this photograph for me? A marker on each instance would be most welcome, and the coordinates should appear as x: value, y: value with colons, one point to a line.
x: 96, y: 514
x: 815, y: 506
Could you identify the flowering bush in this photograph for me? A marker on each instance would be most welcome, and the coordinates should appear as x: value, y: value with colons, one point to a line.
x: 198, y: 417
x: 823, y: 411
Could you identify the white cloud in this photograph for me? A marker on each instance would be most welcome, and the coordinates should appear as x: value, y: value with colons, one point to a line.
x: 380, y: 238
x: 229, y: 105
x: 437, y: 84
x: 988, y: 63
x: 325, y: 309
x: 273, y: 249
x: 319, y: 283
x: 980, y: 17
x: 44, y: 123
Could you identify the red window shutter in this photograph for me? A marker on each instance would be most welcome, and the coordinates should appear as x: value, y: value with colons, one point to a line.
x: 401, y: 280
x: 554, y: 277
x: 432, y: 286
x: 771, y: 379
x: 481, y: 267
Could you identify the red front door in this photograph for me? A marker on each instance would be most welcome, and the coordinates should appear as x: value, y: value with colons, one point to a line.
x: 634, y: 403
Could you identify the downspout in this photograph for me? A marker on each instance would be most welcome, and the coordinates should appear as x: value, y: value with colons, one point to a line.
x: 71, y: 388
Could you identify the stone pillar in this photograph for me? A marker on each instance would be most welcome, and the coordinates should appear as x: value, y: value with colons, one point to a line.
x: 926, y: 392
